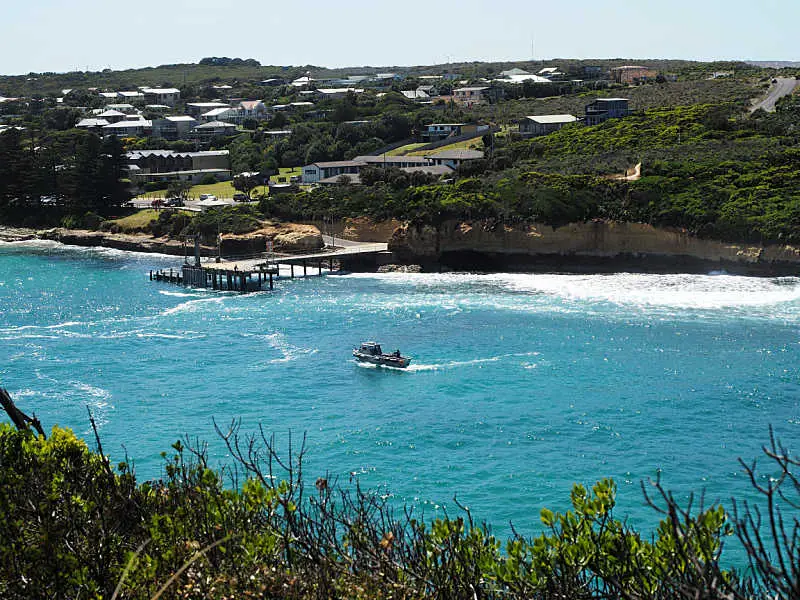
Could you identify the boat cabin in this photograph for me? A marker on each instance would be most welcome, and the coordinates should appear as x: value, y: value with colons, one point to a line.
x: 371, y: 348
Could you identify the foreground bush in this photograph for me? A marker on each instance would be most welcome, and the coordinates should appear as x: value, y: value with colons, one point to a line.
x: 71, y: 526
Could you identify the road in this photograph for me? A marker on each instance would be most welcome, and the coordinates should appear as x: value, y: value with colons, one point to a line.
x: 783, y: 87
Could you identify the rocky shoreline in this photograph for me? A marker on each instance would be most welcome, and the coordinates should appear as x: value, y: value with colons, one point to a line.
x: 595, y: 247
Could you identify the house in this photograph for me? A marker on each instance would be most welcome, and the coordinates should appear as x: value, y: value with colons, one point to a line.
x: 195, y: 109
x: 278, y: 133
x: 477, y: 95
x: 592, y: 71
x: 126, y: 108
x: 92, y: 124
x: 331, y: 172
x: 454, y: 158
x: 544, y: 124
x: 253, y: 109
x: 514, y: 71
x: 399, y: 162
x: 519, y: 79
x: 226, y: 114
x: 417, y: 95
x: 213, y: 129
x: 174, y: 128
x: 129, y: 128
x: 603, y: 109
x: 272, y: 82
x: 167, y: 165
x: 112, y: 116
x: 431, y: 90
x: 134, y: 96
x: 632, y: 74
x: 439, y: 131
x: 337, y: 93
x: 315, y: 172
x: 168, y: 96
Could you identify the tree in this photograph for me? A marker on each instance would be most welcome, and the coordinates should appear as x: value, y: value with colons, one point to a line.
x: 178, y: 189
x: 246, y: 182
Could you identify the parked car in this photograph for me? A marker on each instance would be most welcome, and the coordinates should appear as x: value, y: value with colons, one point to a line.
x: 240, y: 197
x: 205, y: 196
x: 174, y: 202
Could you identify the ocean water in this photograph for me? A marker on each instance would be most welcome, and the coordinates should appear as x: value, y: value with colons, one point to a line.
x: 520, y: 386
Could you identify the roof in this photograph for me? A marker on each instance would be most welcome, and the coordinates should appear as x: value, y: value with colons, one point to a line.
x: 216, y: 125
x: 215, y: 112
x: 445, y: 125
x: 119, y: 106
x: 207, y: 104
x: 549, y: 70
x: 611, y: 100
x: 92, y: 123
x: 381, y: 159
x: 299, y: 104
x: 129, y: 124
x: 250, y: 104
x: 131, y: 94
x: 544, y: 119
x: 354, y: 178
x: 339, y: 163
x: 414, y: 94
x: 161, y: 91
x: 278, y: 132
x: 137, y: 154
x: 339, y: 90
x: 523, y: 78
x: 111, y: 113
x: 430, y: 169
x: 181, y: 119
x: 472, y: 89
x: 629, y: 67
x: 514, y: 71
x: 456, y: 155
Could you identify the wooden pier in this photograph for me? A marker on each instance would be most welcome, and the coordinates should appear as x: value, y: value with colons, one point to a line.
x: 255, y: 273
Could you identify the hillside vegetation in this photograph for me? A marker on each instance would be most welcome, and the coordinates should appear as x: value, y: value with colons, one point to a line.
x: 74, y: 526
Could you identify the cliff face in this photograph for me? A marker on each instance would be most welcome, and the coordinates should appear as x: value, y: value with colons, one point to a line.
x: 286, y: 237
x: 585, y: 246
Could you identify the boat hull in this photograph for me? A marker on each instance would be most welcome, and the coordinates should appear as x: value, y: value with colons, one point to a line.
x: 383, y: 360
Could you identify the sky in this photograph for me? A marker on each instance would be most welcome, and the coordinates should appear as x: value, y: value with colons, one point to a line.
x: 68, y: 35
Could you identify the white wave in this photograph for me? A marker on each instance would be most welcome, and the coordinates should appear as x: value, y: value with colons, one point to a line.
x: 21, y: 328
x: 718, y: 291
x: 289, y: 352
x: 181, y: 294
x: 91, y: 251
x: 192, y: 305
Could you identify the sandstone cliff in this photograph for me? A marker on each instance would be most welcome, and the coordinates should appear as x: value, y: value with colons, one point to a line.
x: 591, y: 246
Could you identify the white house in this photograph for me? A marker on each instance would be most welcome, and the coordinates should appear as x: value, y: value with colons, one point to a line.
x: 168, y: 96
x: 544, y: 124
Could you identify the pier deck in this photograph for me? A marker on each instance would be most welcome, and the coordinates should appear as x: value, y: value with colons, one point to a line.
x: 253, y: 272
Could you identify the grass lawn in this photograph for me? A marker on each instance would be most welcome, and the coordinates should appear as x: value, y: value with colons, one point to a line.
x: 403, y: 150
x: 138, y: 221
x: 223, y: 190
x: 286, y: 173
x: 473, y: 144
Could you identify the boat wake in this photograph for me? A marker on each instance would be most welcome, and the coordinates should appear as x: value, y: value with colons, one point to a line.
x: 453, y: 364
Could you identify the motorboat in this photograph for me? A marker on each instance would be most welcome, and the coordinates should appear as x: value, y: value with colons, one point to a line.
x: 370, y: 352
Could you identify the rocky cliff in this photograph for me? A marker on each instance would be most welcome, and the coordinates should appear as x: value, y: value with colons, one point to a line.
x: 593, y: 246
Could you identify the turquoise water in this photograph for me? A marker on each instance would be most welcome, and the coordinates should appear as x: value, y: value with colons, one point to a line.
x: 521, y: 385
